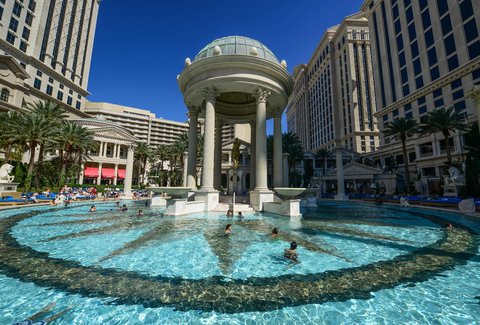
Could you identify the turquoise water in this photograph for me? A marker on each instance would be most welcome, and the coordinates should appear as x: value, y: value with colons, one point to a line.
x: 360, y: 264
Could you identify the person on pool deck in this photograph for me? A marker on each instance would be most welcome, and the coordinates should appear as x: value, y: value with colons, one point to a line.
x: 291, y: 253
x: 275, y: 232
x: 228, y: 230
x: 93, y: 208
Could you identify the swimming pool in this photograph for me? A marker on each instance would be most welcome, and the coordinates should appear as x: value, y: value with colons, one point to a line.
x: 360, y: 263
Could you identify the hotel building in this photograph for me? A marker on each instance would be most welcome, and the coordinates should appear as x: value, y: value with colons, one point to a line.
x: 426, y: 55
x: 52, y: 40
x: 142, y: 123
x: 333, y: 95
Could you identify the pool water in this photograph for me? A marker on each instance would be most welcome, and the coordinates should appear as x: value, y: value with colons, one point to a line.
x: 359, y: 264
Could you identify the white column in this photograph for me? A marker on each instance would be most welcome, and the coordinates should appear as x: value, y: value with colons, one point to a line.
x: 192, y: 148
x: 209, y: 139
x: 115, y: 177
x: 340, y: 177
x: 185, y: 173
x: 127, y: 190
x: 100, y: 149
x: 277, y: 149
x: 362, y: 91
x: 80, y: 177
x: 218, y: 154
x: 261, y: 140
x: 371, y: 83
x: 253, y: 140
x: 99, y: 178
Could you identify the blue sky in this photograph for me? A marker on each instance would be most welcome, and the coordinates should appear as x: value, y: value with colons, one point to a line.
x: 140, y: 46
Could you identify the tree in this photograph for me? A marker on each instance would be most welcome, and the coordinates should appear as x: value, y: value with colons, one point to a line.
x: 72, y: 141
x: 292, y: 145
x: 472, y: 163
x: 142, y: 153
x: 54, y: 115
x: 158, y: 157
x: 324, y: 154
x: 402, y: 128
x: 31, y: 129
x: 445, y: 121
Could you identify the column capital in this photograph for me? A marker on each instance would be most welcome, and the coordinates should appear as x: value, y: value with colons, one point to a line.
x: 193, y: 111
x: 261, y: 95
x: 277, y: 112
x: 211, y: 93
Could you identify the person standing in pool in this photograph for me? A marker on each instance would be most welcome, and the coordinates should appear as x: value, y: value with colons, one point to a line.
x: 275, y: 232
x: 228, y: 230
x: 93, y: 208
x: 291, y: 253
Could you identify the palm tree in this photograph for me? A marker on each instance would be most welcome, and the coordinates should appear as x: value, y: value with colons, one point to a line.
x: 142, y: 153
x: 8, y: 138
x: 31, y: 129
x: 292, y: 145
x: 401, y: 128
x: 445, y: 121
x: 54, y: 114
x: 324, y: 154
x: 159, y: 155
x: 73, y: 141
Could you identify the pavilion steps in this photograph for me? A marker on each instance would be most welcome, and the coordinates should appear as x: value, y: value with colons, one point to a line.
x: 224, y: 207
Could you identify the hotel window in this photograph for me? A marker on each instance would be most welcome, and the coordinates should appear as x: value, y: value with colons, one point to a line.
x: 442, y: 7
x: 69, y: 100
x: 23, y: 46
x: 4, y: 95
x: 466, y: 9
x: 26, y: 33
x: 49, y: 90
x: 32, y: 5
x: 453, y: 62
x: 446, y: 24
x: 17, y: 9
x: 78, y: 105
x: 37, y: 83
x: 29, y: 19
x: 443, y: 144
x: 50, y: 80
x: 61, y: 86
x: 1, y: 12
x: 60, y: 95
x: 13, y: 24
x: 426, y: 149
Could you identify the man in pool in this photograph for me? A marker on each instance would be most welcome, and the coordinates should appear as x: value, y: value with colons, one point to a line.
x: 291, y: 253
x: 275, y: 232
x: 35, y: 318
x: 93, y: 208
x: 140, y: 213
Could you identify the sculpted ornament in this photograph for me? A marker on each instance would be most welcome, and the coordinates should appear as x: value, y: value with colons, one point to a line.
x: 5, y: 170
x: 211, y: 93
x: 261, y: 95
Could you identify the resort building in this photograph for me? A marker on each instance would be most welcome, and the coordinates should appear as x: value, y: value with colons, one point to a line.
x: 52, y: 40
x: 426, y: 55
x: 333, y: 96
x: 142, y: 123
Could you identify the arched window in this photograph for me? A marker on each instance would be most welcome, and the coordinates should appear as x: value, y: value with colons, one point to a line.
x: 4, y: 95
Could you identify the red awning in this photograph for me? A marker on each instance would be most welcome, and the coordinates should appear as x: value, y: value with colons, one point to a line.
x: 108, y: 173
x: 121, y: 173
x: 90, y: 172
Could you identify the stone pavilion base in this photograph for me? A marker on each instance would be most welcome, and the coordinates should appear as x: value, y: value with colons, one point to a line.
x: 259, y: 197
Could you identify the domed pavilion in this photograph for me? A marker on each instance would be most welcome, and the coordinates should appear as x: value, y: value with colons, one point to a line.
x: 235, y: 80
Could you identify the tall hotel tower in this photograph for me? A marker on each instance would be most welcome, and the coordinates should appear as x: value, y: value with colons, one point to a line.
x: 333, y: 95
x: 426, y: 56
x: 52, y: 40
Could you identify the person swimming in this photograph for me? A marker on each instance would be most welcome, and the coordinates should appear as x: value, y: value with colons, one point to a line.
x: 124, y: 208
x: 35, y: 318
x: 291, y: 253
x: 229, y: 213
x: 93, y: 208
x: 228, y: 230
x: 274, y: 232
x: 140, y: 213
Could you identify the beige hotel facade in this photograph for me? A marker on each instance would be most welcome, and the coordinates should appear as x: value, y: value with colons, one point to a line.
x: 426, y: 55
x: 333, y: 96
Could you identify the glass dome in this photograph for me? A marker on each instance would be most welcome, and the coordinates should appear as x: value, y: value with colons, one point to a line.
x: 236, y: 45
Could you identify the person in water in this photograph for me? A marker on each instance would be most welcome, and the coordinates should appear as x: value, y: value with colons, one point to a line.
x: 93, y: 208
x: 124, y: 208
x: 228, y: 230
x: 291, y: 253
x: 449, y: 226
x: 275, y: 232
x: 140, y: 213
x: 35, y: 318
x: 240, y: 215
x: 229, y: 213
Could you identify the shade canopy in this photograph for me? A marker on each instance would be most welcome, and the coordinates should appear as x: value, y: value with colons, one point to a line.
x: 91, y: 172
x: 108, y: 173
x: 121, y: 173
